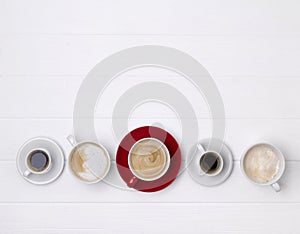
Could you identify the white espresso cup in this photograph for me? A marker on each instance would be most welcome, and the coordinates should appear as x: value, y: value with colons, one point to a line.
x: 209, y: 162
x: 263, y: 164
x: 140, y: 156
x: 38, y: 161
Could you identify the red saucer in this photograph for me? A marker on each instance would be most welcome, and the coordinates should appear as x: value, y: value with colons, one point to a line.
x: 122, y: 159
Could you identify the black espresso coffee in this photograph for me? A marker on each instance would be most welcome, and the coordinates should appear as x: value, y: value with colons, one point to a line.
x: 38, y: 160
x: 210, y: 162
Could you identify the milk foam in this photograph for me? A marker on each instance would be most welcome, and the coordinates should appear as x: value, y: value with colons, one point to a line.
x: 262, y: 163
x: 148, y: 159
x: 89, y: 162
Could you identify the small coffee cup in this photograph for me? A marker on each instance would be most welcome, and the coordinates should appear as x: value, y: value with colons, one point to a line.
x: 88, y: 161
x: 148, y: 160
x: 38, y: 161
x: 263, y: 164
x: 210, y: 162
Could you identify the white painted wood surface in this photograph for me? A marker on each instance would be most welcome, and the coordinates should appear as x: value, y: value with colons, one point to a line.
x: 251, y: 49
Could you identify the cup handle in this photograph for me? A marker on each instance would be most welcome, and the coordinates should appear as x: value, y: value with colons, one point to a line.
x: 276, y: 187
x: 200, y: 151
x: 71, y: 140
x: 132, y: 182
x: 26, y: 173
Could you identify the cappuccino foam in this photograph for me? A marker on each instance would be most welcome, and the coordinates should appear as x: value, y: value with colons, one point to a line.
x: 262, y: 163
x: 148, y: 159
x: 89, y: 162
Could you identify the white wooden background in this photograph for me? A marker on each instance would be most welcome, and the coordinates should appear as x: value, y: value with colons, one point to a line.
x: 251, y: 48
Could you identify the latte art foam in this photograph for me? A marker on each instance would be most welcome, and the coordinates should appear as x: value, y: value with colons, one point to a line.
x: 89, y: 162
x: 262, y: 163
x: 148, y: 159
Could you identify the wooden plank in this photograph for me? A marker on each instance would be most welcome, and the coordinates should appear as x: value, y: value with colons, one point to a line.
x: 237, y: 56
x: 66, y: 189
x: 168, y: 17
x: 149, y: 218
x: 54, y: 98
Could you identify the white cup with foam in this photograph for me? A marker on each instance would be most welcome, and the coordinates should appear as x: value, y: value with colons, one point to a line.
x: 263, y: 164
x: 88, y: 161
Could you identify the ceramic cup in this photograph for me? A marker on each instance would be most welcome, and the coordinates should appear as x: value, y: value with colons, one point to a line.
x: 88, y: 161
x: 210, y: 163
x: 154, y: 157
x: 263, y: 164
x: 37, y: 161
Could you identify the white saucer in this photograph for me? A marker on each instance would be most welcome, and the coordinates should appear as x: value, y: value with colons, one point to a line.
x: 217, y: 146
x: 57, y: 156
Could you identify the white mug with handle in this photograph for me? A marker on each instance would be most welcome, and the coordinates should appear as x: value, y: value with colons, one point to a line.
x: 273, y: 182
x: 94, y: 160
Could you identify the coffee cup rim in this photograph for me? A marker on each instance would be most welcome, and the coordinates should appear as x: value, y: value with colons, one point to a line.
x: 219, y: 155
x: 167, y: 162
x: 282, y: 163
x: 106, y: 155
x: 49, y: 158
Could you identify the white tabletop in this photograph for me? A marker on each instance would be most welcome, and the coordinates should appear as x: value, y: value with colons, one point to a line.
x: 250, y: 48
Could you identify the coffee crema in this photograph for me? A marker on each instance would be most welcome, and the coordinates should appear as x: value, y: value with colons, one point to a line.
x: 210, y: 162
x: 38, y: 160
x: 262, y: 163
x: 148, y: 158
